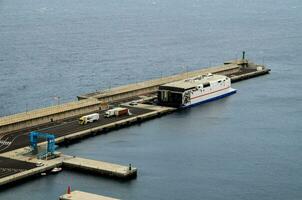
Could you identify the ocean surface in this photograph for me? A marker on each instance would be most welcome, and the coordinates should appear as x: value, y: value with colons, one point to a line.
x: 247, y: 146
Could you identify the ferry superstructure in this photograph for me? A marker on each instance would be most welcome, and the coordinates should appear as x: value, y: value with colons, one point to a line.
x: 192, y: 91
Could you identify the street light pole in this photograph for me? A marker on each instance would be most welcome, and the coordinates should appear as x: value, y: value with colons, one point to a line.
x: 58, y: 99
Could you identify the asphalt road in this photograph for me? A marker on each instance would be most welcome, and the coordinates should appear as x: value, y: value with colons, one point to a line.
x: 18, y: 139
x: 10, y: 166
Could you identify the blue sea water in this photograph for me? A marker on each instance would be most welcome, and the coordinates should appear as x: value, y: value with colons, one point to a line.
x: 247, y: 146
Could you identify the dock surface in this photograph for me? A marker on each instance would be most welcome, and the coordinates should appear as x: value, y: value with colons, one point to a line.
x: 67, y: 129
x: 140, y: 98
x: 11, y: 166
x: 100, y: 167
x: 79, y: 195
x: 19, y: 139
x: 17, y: 165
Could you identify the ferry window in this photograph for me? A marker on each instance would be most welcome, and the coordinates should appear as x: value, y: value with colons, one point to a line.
x: 206, y: 85
x: 219, y: 81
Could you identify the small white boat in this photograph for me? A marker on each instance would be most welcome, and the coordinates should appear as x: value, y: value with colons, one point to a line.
x: 56, y: 170
x: 43, y: 174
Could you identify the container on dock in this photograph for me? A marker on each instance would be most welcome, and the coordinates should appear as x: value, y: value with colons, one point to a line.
x: 119, y: 111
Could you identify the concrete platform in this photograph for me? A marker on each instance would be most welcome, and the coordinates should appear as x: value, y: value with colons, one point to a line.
x: 69, y: 129
x: 247, y: 74
x: 150, y: 86
x: 30, y: 172
x: 79, y: 195
x: 116, y: 123
x: 99, y: 167
x: 47, y: 115
x: 18, y: 164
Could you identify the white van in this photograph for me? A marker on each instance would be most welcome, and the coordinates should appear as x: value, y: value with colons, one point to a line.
x: 89, y: 118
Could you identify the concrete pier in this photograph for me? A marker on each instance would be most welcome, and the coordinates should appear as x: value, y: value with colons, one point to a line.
x: 247, y: 74
x: 47, y: 115
x: 151, y: 86
x: 48, y: 165
x: 154, y: 111
x: 62, y: 121
x: 99, y: 167
x: 20, y: 165
x: 79, y: 195
x: 236, y: 69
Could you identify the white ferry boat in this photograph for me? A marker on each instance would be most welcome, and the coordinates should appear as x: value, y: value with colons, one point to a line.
x: 192, y: 91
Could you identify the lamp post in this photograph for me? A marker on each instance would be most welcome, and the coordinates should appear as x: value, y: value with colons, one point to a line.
x: 58, y: 99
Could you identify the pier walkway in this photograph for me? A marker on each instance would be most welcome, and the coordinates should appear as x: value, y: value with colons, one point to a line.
x: 20, y: 164
x: 99, y: 167
x: 69, y: 129
x: 63, y: 123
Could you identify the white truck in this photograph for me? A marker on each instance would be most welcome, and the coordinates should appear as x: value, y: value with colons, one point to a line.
x: 89, y: 118
x: 119, y: 111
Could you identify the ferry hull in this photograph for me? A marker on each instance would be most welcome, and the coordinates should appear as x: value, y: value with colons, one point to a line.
x: 213, y: 98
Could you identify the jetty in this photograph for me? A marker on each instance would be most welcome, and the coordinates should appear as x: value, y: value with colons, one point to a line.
x: 19, y: 164
x: 99, y: 167
x: 62, y: 122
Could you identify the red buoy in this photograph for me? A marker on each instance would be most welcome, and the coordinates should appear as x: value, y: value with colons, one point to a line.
x: 68, y: 189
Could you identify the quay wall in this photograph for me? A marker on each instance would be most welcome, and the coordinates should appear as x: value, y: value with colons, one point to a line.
x: 237, y: 70
x: 47, y: 115
x: 151, y: 86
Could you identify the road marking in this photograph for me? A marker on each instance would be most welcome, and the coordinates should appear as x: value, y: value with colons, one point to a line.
x: 3, y: 142
x: 2, y: 169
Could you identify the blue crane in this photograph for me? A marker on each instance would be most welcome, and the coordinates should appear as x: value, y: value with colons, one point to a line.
x: 33, y: 137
